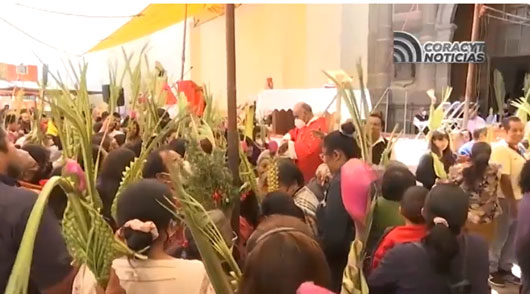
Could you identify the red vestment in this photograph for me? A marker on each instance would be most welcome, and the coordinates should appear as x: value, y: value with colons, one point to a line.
x: 308, y: 146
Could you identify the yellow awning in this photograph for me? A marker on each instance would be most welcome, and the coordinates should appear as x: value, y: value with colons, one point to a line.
x: 156, y: 17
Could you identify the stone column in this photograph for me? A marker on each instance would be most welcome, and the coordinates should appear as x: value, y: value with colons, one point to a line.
x: 444, y: 32
x: 380, y: 49
x: 425, y: 73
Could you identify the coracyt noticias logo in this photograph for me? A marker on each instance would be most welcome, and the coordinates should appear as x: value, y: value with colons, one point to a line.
x: 408, y: 49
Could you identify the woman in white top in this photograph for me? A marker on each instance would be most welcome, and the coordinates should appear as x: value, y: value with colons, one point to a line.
x: 145, y: 227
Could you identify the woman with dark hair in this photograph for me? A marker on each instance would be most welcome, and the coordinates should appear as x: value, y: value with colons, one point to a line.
x: 291, y: 182
x: 145, y: 227
x: 479, y: 179
x: 447, y: 260
x: 522, y: 235
x: 280, y: 203
x: 282, y: 255
x: 179, y: 145
x: 133, y: 133
x: 436, y: 163
x: 110, y: 177
x: 335, y: 226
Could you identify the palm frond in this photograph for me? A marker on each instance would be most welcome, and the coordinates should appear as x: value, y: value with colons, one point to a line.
x: 209, y: 240
x: 523, y: 106
x: 385, y: 157
x: 500, y: 90
x: 19, y: 277
x: 346, y: 92
x: 134, y: 171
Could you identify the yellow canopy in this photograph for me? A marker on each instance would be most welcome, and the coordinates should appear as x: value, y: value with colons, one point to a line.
x: 156, y: 17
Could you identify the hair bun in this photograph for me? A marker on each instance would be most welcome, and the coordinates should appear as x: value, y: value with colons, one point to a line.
x: 347, y: 129
x: 137, y: 241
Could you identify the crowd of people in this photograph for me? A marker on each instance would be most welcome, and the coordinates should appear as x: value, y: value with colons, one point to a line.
x: 458, y: 225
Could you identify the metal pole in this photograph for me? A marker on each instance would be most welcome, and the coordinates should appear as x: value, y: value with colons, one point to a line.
x: 387, y: 107
x: 405, y: 111
x: 471, y: 66
x: 233, y: 138
x: 184, y: 42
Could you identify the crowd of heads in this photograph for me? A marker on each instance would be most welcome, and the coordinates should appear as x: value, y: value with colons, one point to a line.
x: 282, y: 247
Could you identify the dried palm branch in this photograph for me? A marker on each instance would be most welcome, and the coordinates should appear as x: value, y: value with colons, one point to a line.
x: 273, y: 182
x: 500, y: 91
x: 346, y: 92
x: 247, y: 172
x: 385, y: 157
x: 353, y: 280
x: 36, y: 136
x: 437, y: 114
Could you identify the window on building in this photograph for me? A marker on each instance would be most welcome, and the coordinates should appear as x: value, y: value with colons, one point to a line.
x: 404, y: 71
x: 22, y: 70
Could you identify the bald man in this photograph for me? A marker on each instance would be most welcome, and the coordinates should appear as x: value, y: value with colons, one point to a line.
x: 307, y: 141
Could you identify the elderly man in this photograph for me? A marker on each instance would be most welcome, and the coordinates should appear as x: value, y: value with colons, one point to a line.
x: 307, y: 138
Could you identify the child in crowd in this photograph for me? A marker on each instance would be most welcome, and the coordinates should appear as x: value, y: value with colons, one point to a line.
x: 146, y: 226
x: 447, y: 260
x: 414, y: 229
x: 396, y: 180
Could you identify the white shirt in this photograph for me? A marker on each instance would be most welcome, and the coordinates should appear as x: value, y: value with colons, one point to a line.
x: 511, y: 165
x: 114, y: 133
x: 162, y: 276
x: 476, y: 123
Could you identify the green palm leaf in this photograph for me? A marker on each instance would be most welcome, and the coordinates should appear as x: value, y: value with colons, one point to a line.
x: 19, y: 278
x: 209, y: 240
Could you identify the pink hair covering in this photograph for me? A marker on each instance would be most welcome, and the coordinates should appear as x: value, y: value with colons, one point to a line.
x: 73, y: 169
x: 356, y: 180
x: 273, y: 146
x: 140, y: 226
x: 244, y: 146
x: 310, y: 288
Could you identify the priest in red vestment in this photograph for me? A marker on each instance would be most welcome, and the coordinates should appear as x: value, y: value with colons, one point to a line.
x: 307, y: 141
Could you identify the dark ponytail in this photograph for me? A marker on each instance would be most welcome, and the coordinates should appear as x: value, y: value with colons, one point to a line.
x: 442, y: 247
x: 446, y: 213
x: 480, y: 156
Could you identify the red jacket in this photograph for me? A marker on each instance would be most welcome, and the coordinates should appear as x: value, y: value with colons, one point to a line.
x: 308, y: 146
x: 398, y: 235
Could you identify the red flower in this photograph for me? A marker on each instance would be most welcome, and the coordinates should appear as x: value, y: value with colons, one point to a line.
x: 244, y: 196
x: 216, y: 196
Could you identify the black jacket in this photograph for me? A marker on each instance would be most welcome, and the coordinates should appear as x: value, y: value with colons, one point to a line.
x: 425, y: 173
x: 378, y: 149
x: 336, y: 231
